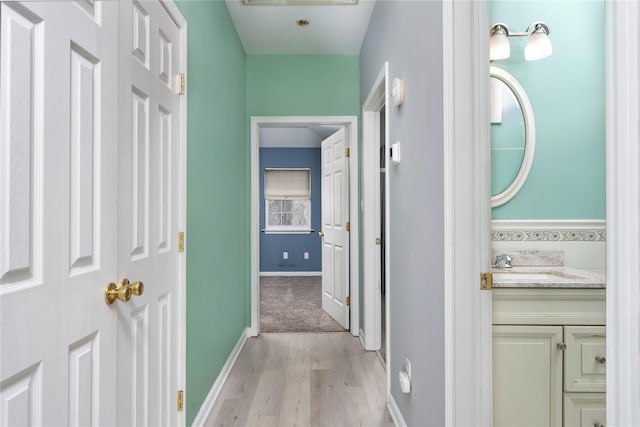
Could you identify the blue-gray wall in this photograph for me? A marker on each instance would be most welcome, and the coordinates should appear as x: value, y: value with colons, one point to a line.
x: 272, y: 245
x: 408, y: 34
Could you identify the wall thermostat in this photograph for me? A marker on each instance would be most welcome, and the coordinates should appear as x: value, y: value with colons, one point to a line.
x: 394, y: 153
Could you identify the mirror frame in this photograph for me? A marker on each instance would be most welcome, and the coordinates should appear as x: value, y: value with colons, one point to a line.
x: 529, y: 136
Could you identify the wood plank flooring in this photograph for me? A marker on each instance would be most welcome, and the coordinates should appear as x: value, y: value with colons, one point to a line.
x: 303, y: 379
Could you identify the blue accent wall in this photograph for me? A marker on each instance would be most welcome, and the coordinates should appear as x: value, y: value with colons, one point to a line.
x: 272, y: 245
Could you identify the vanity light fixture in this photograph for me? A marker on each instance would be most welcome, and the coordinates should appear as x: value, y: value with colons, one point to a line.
x: 499, y: 47
x: 538, y: 46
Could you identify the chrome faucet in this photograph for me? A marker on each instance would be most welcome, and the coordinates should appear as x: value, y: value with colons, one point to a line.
x: 503, y: 261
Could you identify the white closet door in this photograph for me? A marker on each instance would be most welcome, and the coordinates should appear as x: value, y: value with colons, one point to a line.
x: 148, y: 214
x: 58, y: 212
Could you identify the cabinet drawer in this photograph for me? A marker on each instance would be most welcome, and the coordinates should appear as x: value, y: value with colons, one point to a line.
x: 584, y: 409
x: 584, y: 359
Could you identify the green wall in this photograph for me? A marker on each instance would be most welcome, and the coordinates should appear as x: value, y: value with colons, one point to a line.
x: 303, y: 85
x: 225, y: 87
x: 217, y: 203
x: 567, y: 93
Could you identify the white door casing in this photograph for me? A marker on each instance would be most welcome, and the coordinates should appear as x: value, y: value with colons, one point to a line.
x: 149, y: 199
x: 370, y: 181
x: 58, y: 212
x: 335, y: 216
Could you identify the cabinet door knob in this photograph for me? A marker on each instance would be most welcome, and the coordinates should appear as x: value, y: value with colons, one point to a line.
x: 561, y: 346
x: 601, y: 359
x: 598, y: 425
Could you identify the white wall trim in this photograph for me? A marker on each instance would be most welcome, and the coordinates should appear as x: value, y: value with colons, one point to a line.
x: 290, y: 273
x: 623, y: 212
x: 468, y: 329
x: 362, y: 339
x: 351, y: 125
x: 216, y: 388
x: 394, y: 411
x: 370, y: 173
x: 537, y: 224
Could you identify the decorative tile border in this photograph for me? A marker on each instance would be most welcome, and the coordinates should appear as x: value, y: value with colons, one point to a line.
x: 544, y: 231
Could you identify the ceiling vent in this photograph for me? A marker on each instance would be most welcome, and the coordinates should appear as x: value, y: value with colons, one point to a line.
x: 299, y: 2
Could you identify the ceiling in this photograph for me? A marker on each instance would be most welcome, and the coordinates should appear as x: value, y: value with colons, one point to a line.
x: 272, y: 30
x: 295, y: 137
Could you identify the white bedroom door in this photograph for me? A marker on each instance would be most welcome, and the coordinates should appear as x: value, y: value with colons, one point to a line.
x: 149, y: 197
x: 335, y: 218
x: 58, y: 212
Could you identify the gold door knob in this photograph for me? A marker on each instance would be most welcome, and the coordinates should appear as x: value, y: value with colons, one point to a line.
x: 113, y: 292
x: 136, y: 288
x: 321, y: 233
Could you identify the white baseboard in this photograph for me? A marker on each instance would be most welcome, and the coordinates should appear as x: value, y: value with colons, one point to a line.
x: 396, y: 415
x: 291, y: 273
x: 362, y: 341
x: 216, y: 388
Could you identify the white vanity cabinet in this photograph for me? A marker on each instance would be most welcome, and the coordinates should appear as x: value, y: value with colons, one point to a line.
x: 549, y: 357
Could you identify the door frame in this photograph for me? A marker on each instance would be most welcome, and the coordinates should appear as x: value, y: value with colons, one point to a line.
x: 370, y: 335
x: 469, y: 390
x: 467, y: 322
x: 177, y: 16
x: 351, y: 130
x: 623, y: 213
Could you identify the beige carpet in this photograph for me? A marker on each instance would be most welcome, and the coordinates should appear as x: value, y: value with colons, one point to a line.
x: 294, y: 304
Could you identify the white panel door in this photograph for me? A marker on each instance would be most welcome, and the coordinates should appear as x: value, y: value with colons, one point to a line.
x: 58, y: 212
x: 335, y: 215
x: 148, y: 214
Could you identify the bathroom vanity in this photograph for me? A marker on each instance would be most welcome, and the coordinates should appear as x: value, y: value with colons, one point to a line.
x: 549, y: 358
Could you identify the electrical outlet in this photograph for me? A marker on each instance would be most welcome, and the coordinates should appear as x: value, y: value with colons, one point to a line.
x: 306, y: 255
x: 285, y: 255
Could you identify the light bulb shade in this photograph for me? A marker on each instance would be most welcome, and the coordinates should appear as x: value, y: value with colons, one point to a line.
x: 538, y: 46
x: 499, y: 47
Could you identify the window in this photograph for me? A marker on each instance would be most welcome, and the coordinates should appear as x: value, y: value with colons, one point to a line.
x: 287, y: 194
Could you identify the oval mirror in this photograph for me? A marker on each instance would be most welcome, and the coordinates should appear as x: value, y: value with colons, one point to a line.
x: 513, y: 136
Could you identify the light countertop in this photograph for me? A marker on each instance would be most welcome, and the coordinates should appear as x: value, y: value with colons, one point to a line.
x: 547, y: 277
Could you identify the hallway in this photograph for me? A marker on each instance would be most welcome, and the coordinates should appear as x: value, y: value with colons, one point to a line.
x: 303, y: 379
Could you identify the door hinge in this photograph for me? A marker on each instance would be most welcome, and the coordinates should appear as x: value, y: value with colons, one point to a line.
x: 348, y: 226
x: 181, y: 241
x: 181, y: 91
x: 347, y: 152
x: 180, y: 400
x: 348, y: 301
x: 486, y: 281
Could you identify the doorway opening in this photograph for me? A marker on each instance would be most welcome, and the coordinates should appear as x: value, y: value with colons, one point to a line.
x: 375, y: 217
x: 339, y: 238
x: 291, y: 294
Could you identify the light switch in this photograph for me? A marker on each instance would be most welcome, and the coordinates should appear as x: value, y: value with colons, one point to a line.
x: 306, y: 255
x: 285, y: 255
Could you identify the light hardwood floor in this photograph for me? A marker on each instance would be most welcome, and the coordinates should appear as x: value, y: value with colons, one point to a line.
x: 303, y: 379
